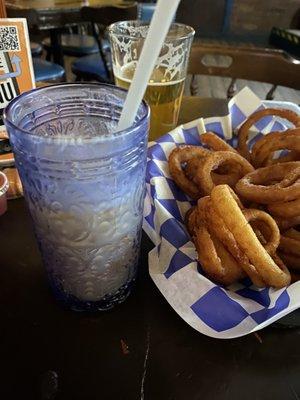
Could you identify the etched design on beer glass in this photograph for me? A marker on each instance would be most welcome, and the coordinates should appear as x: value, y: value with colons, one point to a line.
x: 166, y: 85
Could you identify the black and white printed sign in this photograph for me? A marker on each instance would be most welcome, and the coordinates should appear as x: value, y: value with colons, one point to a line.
x: 16, y: 70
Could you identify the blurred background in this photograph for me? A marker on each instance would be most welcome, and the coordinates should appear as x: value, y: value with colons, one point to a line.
x: 237, y: 43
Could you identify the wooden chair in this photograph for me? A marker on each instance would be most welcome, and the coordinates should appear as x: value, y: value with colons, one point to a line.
x: 46, y: 71
x: 36, y: 49
x: 243, y: 62
x: 96, y: 66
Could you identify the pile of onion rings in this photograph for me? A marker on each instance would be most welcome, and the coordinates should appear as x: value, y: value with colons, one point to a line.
x: 247, y: 215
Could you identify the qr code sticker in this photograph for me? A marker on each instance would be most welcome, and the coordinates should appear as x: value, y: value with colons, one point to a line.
x: 9, y: 39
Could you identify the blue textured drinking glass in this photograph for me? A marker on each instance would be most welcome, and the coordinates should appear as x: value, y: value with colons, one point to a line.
x: 84, y: 184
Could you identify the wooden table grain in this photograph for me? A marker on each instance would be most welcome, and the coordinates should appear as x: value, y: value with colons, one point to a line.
x: 47, y: 352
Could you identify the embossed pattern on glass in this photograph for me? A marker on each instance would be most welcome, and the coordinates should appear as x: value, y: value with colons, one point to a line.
x: 84, y: 186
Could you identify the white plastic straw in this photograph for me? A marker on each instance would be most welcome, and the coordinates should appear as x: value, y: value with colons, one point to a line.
x: 159, y: 27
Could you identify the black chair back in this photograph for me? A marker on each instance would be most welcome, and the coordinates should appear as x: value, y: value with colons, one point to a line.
x: 108, y: 15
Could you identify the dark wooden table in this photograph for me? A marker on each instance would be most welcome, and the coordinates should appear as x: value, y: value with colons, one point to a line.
x: 55, y: 15
x: 50, y: 353
x: 61, y: 5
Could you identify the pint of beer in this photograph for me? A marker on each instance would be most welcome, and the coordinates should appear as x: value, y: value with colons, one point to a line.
x: 165, y: 88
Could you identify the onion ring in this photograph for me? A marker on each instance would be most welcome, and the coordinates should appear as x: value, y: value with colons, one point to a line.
x: 290, y: 242
x: 217, y: 227
x: 279, y: 262
x: 214, y: 142
x: 202, y: 203
x: 212, y: 162
x: 291, y: 261
x: 179, y: 156
x: 264, y: 148
x: 253, y: 186
x: 191, y: 220
x: 218, y: 178
x: 285, y: 224
x: 191, y: 167
x: 243, y: 233
x: 271, y: 234
x: 214, y: 258
x: 293, y: 233
x: 243, y: 133
x: 232, y: 269
x: 291, y: 156
x: 226, y: 179
x: 287, y: 209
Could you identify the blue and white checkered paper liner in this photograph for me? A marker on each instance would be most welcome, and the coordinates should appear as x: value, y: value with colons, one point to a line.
x: 209, y: 308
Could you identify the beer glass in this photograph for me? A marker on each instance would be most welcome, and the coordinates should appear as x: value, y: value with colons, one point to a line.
x: 84, y: 184
x: 165, y: 88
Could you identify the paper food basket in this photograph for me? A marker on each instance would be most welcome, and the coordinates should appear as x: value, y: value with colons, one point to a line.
x: 209, y: 308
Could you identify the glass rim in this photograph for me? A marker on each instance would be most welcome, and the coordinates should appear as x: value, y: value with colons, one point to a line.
x: 7, y: 118
x: 188, y: 35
